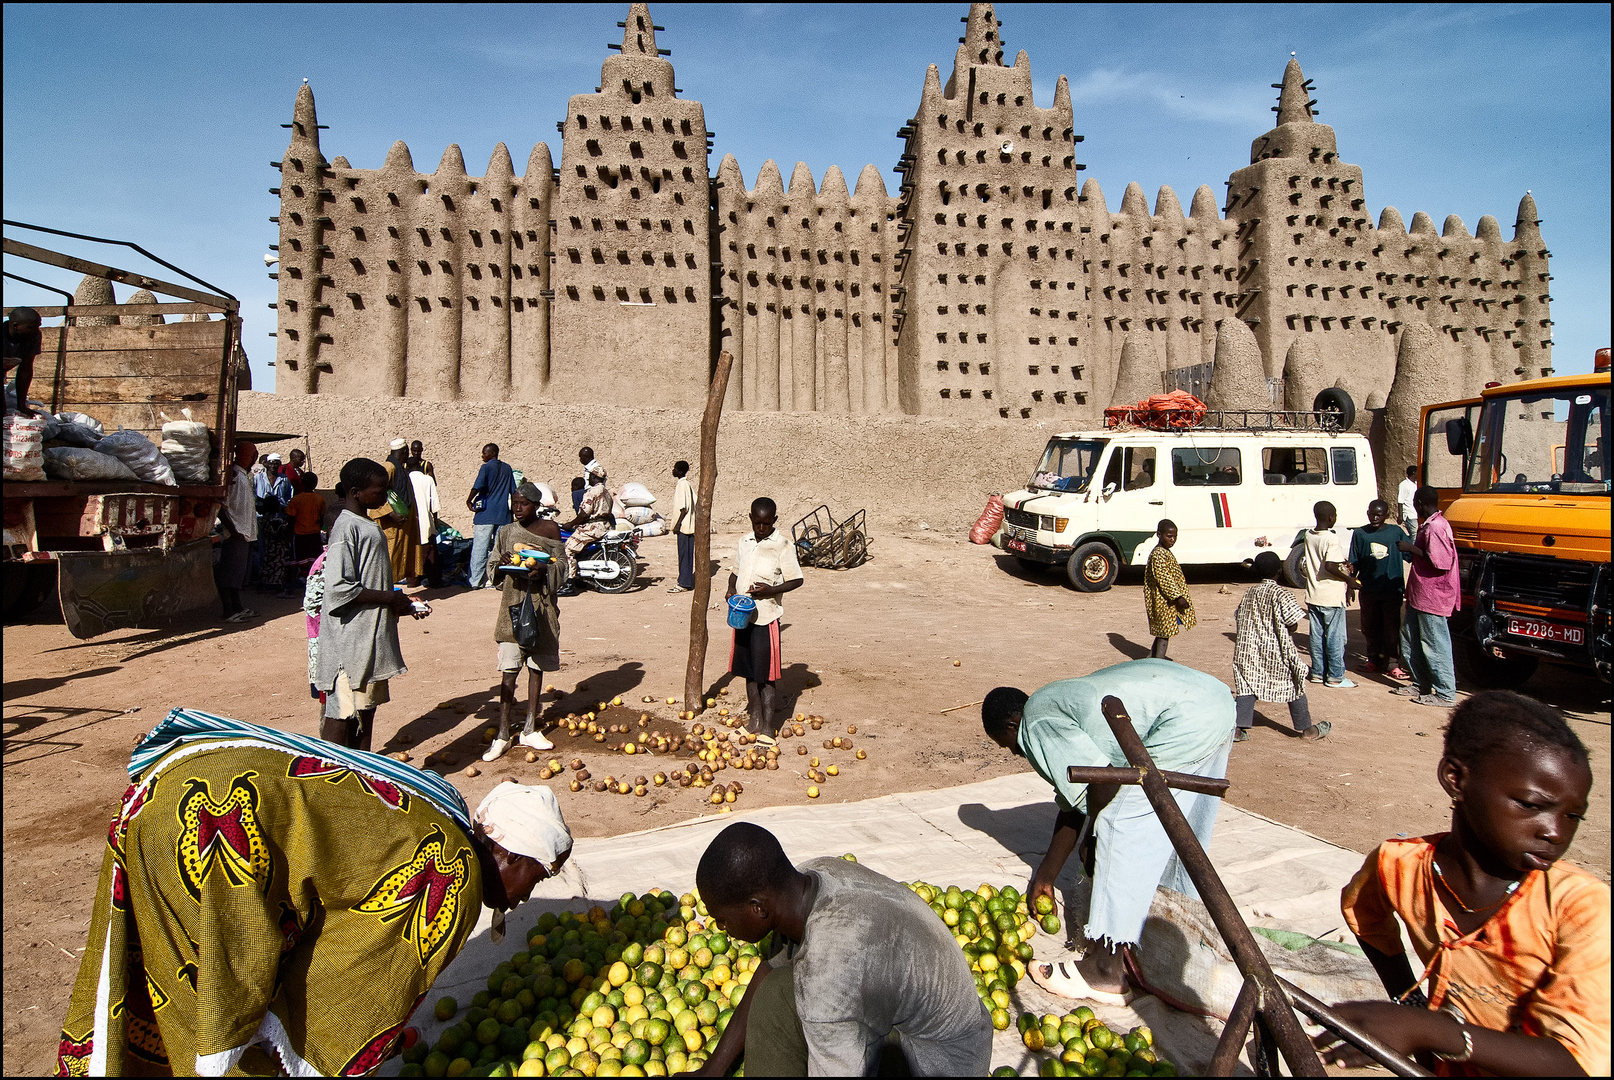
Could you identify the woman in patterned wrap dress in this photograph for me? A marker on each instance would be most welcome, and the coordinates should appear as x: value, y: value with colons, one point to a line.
x: 271, y: 903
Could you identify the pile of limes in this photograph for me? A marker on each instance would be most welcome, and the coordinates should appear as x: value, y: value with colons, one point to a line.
x: 644, y: 989
x: 994, y: 927
x: 1082, y: 1045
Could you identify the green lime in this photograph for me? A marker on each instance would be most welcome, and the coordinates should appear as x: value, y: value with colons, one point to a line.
x: 445, y: 1009
x: 694, y: 993
x: 1049, y: 924
x: 1005, y: 1070
x: 636, y: 1052
x: 1000, y: 1017
x: 436, y: 1064
x: 557, y: 1059
x: 487, y: 1032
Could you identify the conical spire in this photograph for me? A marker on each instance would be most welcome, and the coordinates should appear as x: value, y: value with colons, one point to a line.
x: 1204, y: 205
x: 638, y: 32
x: 1529, y: 220
x: 730, y: 177
x: 1390, y: 218
x: 453, y: 163
x: 801, y: 181
x: 141, y: 296
x: 1294, y: 96
x: 1134, y: 203
x: 1166, y: 206
x: 539, y: 163
x: 1062, y: 96
x: 1488, y: 229
x: 1422, y: 223
x: 834, y: 186
x: 399, y: 158
x: 769, y: 180
x: 304, y: 122
x: 500, y: 167
x: 1137, y: 376
x: 983, y: 37
x: 94, y: 290
x: 870, y: 183
x: 1454, y: 227
x: 1239, y: 378
x: 340, y: 162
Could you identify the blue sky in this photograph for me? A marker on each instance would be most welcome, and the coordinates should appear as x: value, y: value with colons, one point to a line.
x: 157, y: 123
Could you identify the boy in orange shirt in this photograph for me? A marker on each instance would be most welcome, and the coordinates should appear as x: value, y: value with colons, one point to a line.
x: 307, y: 512
x: 1514, y: 942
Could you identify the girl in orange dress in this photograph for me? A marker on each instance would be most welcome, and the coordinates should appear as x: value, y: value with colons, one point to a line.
x: 1514, y: 943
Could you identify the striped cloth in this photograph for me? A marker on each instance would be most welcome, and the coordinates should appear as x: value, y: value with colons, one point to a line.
x: 182, y: 725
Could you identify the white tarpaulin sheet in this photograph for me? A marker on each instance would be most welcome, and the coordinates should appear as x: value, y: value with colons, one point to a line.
x: 995, y: 831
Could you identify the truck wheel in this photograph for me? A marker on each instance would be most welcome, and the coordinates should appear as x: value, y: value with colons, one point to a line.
x: 1476, y: 666
x: 1093, y: 567
x: 1336, y: 407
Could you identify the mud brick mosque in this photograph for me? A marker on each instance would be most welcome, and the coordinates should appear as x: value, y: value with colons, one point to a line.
x: 994, y: 283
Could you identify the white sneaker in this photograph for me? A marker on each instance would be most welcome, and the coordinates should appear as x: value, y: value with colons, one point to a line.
x: 535, y: 741
x: 497, y: 750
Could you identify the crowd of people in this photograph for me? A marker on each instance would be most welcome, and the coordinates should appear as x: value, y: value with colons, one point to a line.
x: 1514, y: 943
x: 1406, y: 583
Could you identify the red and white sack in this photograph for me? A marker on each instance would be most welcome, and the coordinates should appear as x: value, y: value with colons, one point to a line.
x: 986, y: 526
x: 25, y: 447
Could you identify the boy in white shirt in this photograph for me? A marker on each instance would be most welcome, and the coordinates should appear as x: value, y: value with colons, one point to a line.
x: 1403, y: 496
x: 765, y: 568
x: 1330, y: 586
x: 683, y: 527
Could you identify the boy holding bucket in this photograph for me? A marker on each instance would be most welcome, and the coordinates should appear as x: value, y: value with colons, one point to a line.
x: 765, y: 568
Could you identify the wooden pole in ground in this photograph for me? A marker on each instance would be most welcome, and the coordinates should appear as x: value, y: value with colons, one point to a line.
x: 695, y: 673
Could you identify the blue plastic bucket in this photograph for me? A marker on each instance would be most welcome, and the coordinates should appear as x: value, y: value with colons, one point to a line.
x: 742, y: 609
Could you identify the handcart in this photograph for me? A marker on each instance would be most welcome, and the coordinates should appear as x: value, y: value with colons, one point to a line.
x: 823, y: 542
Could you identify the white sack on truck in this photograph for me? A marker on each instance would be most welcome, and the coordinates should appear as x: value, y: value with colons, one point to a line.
x: 24, y: 443
x: 187, y: 447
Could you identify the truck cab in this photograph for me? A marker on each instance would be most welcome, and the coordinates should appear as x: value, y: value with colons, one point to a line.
x: 1531, y: 523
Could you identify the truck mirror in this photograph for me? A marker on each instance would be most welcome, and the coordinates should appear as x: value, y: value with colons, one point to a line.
x: 1109, y: 489
x: 1459, y: 436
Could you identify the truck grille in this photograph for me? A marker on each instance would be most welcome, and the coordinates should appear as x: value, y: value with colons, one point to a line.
x: 1548, y: 583
x: 1029, y: 521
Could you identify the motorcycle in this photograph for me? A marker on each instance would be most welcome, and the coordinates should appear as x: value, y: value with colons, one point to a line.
x: 611, y: 563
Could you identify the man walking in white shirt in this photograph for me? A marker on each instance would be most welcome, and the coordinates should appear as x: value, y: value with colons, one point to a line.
x: 765, y: 568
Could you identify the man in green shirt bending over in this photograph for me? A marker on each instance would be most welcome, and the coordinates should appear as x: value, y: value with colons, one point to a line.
x: 1185, y: 719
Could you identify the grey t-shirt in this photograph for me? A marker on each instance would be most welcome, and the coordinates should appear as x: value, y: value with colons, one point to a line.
x: 875, y: 957
x: 361, y: 639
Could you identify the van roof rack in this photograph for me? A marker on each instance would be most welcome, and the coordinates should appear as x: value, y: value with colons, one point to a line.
x: 1251, y: 420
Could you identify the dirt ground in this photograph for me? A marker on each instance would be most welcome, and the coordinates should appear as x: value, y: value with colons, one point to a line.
x: 929, y: 624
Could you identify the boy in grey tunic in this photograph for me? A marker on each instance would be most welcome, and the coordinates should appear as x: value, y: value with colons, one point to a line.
x: 863, y: 957
x: 358, y: 625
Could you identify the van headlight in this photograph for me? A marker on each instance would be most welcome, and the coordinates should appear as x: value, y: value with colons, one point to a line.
x: 1060, y: 523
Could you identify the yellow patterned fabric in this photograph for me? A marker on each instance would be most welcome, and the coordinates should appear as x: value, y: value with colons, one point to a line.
x: 1162, y: 584
x: 252, y: 897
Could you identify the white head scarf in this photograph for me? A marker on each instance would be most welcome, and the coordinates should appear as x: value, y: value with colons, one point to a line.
x: 399, y: 444
x: 594, y: 468
x: 525, y: 819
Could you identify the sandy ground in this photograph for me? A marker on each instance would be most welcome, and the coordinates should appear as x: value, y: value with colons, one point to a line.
x: 928, y: 624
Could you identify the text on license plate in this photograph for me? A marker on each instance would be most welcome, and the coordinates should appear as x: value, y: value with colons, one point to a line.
x: 1014, y: 545
x: 1546, y: 631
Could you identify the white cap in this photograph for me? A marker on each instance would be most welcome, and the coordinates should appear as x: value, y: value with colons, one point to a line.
x: 525, y: 819
x: 399, y: 444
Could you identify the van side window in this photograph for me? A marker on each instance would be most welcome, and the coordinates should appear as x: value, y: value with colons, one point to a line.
x: 1296, y: 465
x: 1344, y: 465
x: 1206, y: 466
x: 1139, y: 467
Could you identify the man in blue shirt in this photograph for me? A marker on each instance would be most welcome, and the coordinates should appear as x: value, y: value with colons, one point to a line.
x: 1376, y: 555
x: 489, y: 500
x: 1185, y: 720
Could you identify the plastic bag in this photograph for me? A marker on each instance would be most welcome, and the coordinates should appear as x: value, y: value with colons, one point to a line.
x: 71, y: 434
x: 77, y: 463
x: 636, y: 494
x: 986, y: 526
x: 84, y: 419
x: 187, y: 447
x: 524, y: 624
x: 140, y: 454
x: 24, y: 442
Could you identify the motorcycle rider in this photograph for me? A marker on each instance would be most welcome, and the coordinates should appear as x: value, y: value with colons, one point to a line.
x: 592, y: 522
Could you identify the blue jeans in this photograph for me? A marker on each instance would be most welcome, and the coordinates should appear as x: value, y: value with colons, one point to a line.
x: 1426, y: 649
x: 481, y: 544
x: 1328, y: 642
x: 1132, y: 853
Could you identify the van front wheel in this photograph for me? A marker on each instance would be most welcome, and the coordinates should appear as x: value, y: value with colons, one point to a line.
x: 1093, y: 567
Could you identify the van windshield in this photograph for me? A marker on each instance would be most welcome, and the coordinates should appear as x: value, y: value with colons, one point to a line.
x: 1068, y: 465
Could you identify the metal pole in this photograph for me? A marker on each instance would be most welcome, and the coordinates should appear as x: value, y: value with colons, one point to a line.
x: 1368, y: 1044
x: 1231, y: 1044
x: 1204, y: 785
x: 1274, y: 1007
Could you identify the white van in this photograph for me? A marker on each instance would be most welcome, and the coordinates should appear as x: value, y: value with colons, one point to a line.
x: 1096, y: 497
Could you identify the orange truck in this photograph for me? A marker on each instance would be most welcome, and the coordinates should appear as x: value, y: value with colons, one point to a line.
x: 1524, y: 476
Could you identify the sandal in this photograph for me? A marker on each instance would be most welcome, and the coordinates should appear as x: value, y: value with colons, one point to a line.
x: 1062, y: 979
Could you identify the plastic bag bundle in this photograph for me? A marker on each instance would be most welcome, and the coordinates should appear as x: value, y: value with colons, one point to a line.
x: 72, y: 434
x: 24, y: 445
x: 986, y: 526
x: 187, y: 447
x: 636, y: 494
x: 140, y: 454
x: 77, y: 463
x: 84, y: 420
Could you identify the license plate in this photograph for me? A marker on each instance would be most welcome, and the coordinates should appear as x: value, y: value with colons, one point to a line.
x: 1015, y: 545
x: 1546, y: 631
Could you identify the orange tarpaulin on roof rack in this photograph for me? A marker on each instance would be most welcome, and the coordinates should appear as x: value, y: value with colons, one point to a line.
x: 1178, y: 409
